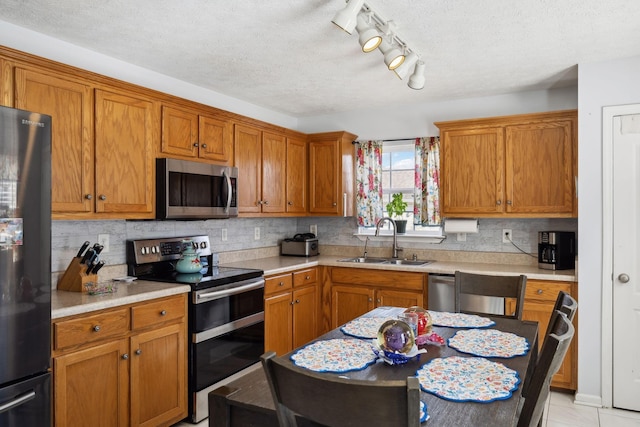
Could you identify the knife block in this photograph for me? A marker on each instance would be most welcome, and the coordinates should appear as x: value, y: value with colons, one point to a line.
x: 75, y: 277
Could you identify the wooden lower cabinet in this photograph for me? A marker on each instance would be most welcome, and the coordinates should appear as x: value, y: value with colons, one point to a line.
x: 540, y: 297
x: 134, y: 376
x: 355, y: 291
x: 291, y: 310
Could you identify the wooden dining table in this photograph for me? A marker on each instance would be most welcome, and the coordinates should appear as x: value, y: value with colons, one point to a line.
x: 247, y: 401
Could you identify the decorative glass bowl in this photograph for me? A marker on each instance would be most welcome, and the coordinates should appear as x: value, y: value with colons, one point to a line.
x: 396, y: 343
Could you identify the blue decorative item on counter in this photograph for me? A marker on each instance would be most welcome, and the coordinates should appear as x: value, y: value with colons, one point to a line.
x: 189, y: 261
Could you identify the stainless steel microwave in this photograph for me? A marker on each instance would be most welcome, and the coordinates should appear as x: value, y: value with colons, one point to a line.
x: 193, y: 190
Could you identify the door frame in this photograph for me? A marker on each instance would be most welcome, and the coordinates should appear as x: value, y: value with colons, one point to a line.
x: 608, y: 113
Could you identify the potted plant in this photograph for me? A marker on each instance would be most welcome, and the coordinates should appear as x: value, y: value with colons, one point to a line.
x: 396, y: 208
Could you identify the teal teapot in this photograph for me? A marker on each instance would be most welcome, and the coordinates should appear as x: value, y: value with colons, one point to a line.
x: 189, y: 261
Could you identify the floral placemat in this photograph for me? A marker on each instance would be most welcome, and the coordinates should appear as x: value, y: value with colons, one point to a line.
x: 364, y: 327
x: 468, y: 379
x: 424, y: 416
x: 460, y: 320
x: 335, y: 355
x: 489, y: 343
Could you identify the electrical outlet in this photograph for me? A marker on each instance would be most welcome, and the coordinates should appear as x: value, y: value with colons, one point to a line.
x: 103, y: 239
x: 313, y: 228
x: 256, y: 233
x: 506, y: 235
x: 224, y: 234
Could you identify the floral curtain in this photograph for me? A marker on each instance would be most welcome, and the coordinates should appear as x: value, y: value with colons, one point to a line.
x: 426, y: 207
x: 368, y: 184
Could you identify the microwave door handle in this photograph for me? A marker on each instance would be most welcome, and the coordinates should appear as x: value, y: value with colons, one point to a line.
x: 229, y: 190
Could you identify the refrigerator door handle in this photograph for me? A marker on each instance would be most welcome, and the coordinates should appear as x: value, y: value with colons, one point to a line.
x: 20, y: 400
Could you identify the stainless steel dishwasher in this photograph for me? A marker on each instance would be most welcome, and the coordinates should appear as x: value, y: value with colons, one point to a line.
x: 442, y: 295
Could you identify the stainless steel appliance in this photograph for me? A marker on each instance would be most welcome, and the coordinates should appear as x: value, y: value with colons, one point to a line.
x: 193, y: 190
x: 303, y: 244
x: 226, y: 312
x: 442, y: 295
x: 556, y: 250
x: 25, y: 268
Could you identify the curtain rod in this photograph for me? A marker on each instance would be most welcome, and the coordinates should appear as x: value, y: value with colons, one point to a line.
x: 392, y: 140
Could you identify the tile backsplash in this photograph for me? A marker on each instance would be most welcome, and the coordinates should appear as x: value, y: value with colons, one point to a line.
x: 68, y: 236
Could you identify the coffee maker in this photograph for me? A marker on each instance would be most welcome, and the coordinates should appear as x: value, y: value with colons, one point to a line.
x: 556, y: 250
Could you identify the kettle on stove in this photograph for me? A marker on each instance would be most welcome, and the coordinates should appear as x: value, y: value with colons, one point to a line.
x: 189, y: 261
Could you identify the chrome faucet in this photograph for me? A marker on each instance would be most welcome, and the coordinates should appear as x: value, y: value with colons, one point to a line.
x: 395, y: 234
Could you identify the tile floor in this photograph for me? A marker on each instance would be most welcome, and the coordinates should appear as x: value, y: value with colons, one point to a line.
x: 560, y: 412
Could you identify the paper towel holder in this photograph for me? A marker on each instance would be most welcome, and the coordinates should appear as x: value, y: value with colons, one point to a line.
x: 455, y: 225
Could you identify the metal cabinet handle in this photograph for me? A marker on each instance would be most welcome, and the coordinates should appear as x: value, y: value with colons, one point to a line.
x: 163, y: 313
x: 138, y: 352
x: 88, y: 196
x: 290, y: 203
x: 539, y: 291
x: 499, y: 202
x: 103, y: 197
x: 204, y: 145
x: 334, y: 204
x: 297, y: 301
x: 307, y: 277
x: 266, y: 202
x: 96, y: 328
x: 195, y: 144
x: 281, y: 284
x: 370, y: 299
x: 125, y: 356
x: 509, y: 202
x: 624, y: 278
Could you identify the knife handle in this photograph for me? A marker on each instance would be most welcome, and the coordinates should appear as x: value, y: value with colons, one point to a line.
x: 97, y: 267
x: 87, y: 255
x: 84, y: 246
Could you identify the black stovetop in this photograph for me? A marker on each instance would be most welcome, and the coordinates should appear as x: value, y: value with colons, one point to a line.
x: 215, y: 276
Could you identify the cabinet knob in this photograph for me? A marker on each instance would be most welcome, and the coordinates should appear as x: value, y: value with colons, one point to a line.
x: 370, y: 299
x: 623, y: 278
x: 204, y: 145
x: 88, y: 196
x: 509, y: 202
x: 125, y: 356
x: 307, y: 277
x: 290, y: 203
x: 378, y: 301
x: 281, y: 284
x: 499, y: 202
x: 138, y: 352
x: 195, y: 144
x: 259, y: 202
x: 163, y: 313
x: 334, y: 204
x: 539, y: 291
x: 266, y: 202
x: 96, y: 328
x: 292, y: 302
x: 297, y: 301
x: 103, y: 197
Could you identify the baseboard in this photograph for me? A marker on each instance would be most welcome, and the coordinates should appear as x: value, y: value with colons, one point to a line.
x: 588, y: 400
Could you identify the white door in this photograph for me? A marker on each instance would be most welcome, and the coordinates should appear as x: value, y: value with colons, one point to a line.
x: 626, y: 261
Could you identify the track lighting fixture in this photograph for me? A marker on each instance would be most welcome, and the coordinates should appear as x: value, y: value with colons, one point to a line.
x: 375, y: 32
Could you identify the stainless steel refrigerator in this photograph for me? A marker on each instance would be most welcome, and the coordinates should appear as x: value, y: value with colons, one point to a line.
x: 25, y: 268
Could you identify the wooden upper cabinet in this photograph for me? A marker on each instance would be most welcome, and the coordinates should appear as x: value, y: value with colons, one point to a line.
x: 331, y: 174
x: 260, y: 157
x: 518, y: 166
x: 70, y: 104
x: 190, y: 135
x: 125, y: 137
x: 297, y: 176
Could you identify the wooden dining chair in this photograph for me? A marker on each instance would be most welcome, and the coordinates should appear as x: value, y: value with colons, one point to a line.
x: 555, y: 346
x: 491, y: 286
x: 333, y: 401
x: 566, y: 304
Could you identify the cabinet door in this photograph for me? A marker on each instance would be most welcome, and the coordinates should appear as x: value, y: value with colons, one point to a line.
x: 69, y: 103
x: 124, y: 154
x: 179, y: 132
x: 274, y: 178
x: 215, y: 139
x: 91, y: 387
x: 472, y: 171
x: 278, y: 323
x: 296, y: 176
x: 248, y: 160
x: 538, y: 305
x: 349, y: 302
x: 305, y: 315
x: 539, y: 168
x: 158, y: 376
x: 324, y: 177
x: 387, y: 297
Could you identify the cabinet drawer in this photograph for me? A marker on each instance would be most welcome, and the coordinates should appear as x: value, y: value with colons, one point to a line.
x: 545, y: 291
x: 278, y: 283
x: 145, y: 315
x: 304, y: 277
x: 89, y: 329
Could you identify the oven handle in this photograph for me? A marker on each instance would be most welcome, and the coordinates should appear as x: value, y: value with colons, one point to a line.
x: 229, y: 190
x: 228, y: 292
x: 199, y: 337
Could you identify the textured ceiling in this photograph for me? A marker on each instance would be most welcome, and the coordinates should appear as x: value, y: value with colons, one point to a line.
x: 287, y: 56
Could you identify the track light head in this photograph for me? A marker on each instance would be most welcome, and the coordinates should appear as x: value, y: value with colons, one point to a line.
x: 407, y: 66
x: 393, y: 56
x: 369, y: 38
x: 416, y: 81
x: 347, y: 17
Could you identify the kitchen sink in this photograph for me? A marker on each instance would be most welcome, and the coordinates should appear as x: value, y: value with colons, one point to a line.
x: 394, y: 261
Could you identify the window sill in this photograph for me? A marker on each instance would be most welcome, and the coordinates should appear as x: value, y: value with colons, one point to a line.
x: 407, y: 237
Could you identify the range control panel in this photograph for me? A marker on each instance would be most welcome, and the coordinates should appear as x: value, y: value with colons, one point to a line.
x: 164, y: 249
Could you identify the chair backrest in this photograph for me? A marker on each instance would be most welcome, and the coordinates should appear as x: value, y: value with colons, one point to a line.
x: 334, y: 401
x: 493, y: 286
x: 554, y: 348
x: 566, y: 304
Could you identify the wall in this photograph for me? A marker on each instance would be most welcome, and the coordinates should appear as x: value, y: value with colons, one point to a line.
x: 601, y: 84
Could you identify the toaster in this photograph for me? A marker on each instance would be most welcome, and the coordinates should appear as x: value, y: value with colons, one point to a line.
x: 303, y: 244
